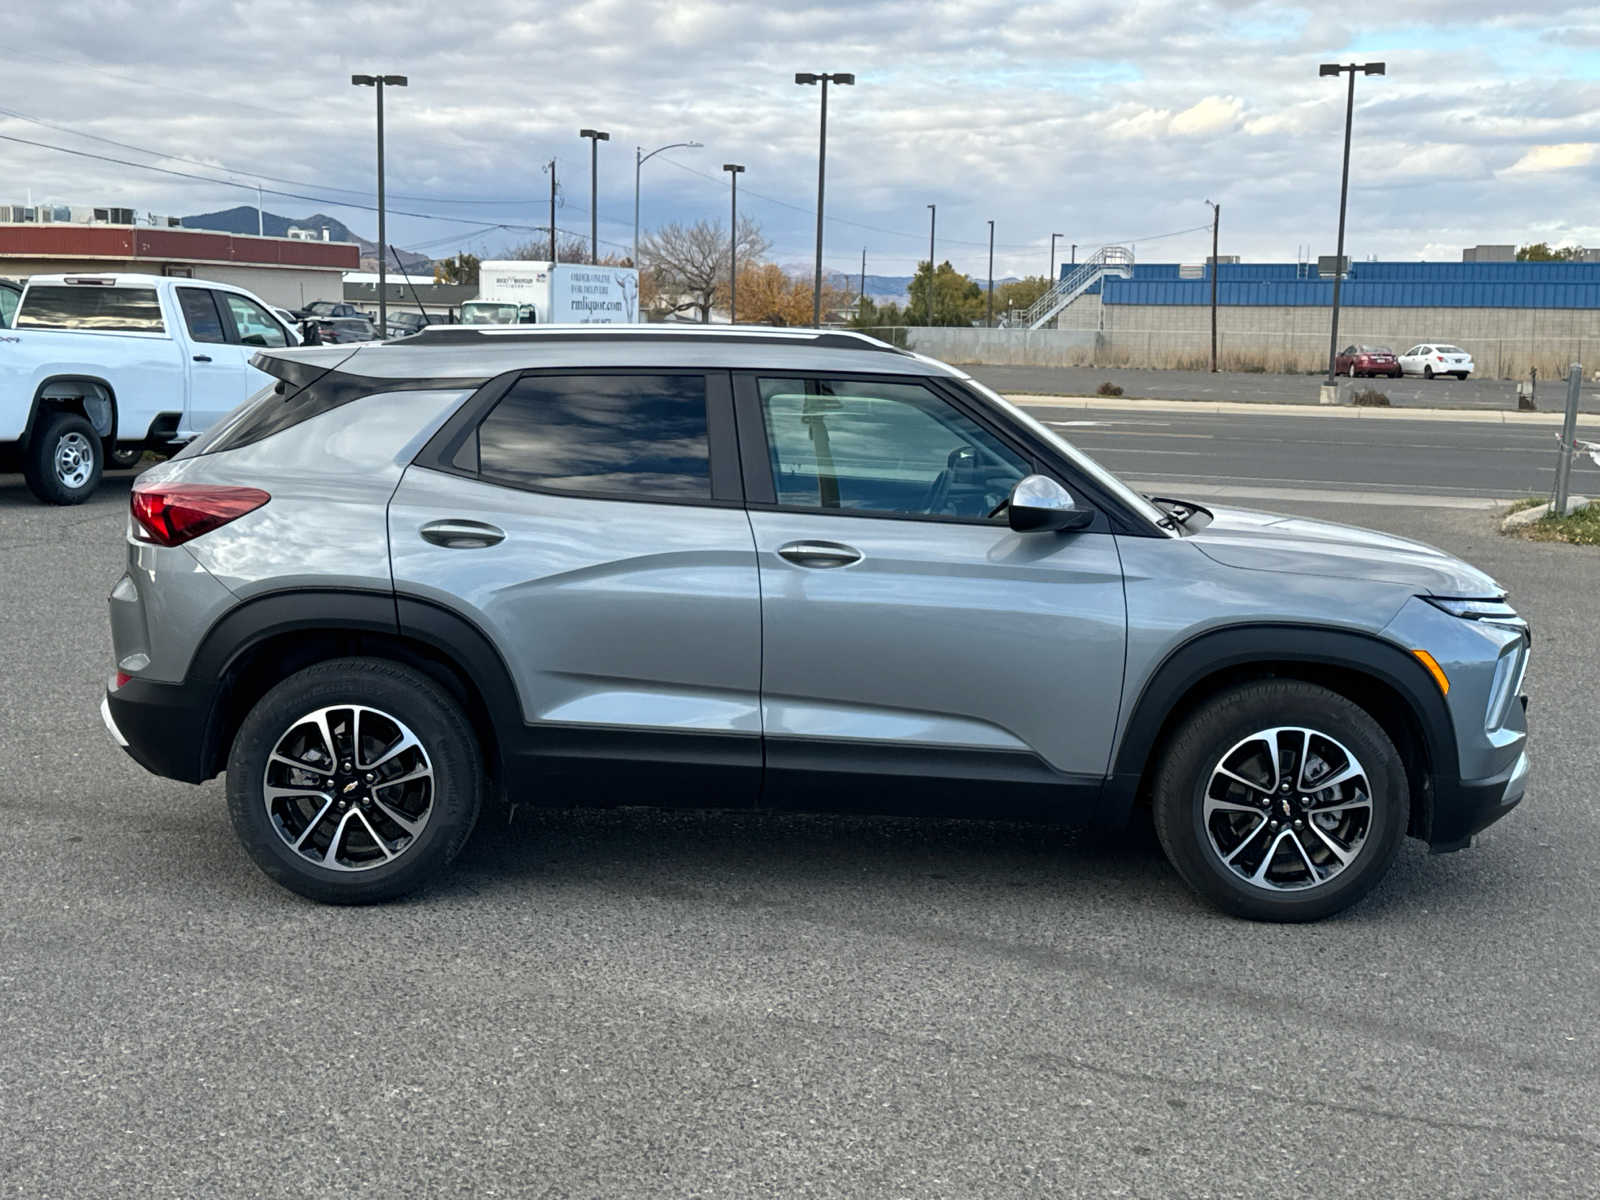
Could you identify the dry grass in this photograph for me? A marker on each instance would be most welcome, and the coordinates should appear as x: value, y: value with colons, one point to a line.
x: 1581, y: 528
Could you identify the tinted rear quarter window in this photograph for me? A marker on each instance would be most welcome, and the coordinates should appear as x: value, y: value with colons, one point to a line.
x: 635, y: 437
x: 83, y: 306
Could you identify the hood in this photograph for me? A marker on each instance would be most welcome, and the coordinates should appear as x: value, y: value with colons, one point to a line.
x: 1258, y: 541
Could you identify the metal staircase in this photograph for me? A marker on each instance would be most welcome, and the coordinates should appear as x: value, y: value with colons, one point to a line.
x: 1108, y: 260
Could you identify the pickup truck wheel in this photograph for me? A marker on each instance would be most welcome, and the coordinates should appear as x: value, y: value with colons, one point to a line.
x: 354, y: 781
x: 64, y: 459
x: 122, y: 455
x: 1280, y: 800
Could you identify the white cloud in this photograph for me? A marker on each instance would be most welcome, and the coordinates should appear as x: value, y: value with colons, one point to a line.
x: 1561, y: 157
x: 1212, y: 115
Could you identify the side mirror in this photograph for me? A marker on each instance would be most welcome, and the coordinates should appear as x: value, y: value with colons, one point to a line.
x: 1040, y: 504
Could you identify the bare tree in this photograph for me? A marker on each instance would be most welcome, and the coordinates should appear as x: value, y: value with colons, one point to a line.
x: 569, y: 249
x: 686, y: 264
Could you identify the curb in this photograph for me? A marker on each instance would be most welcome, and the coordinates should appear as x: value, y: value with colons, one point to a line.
x: 1342, y: 412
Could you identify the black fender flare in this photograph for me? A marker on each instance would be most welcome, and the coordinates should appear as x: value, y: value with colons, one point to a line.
x: 431, y: 631
x: 1265, y: 644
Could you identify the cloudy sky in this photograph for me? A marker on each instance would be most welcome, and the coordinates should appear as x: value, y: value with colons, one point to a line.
x: 1101, y: 120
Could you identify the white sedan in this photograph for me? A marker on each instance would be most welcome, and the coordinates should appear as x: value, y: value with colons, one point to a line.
x: 1436, y: 358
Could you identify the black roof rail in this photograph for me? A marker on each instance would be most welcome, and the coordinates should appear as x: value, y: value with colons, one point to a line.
x: 466, y: 335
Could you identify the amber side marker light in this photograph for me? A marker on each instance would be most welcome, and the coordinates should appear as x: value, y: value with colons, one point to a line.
x: 1433, y: 668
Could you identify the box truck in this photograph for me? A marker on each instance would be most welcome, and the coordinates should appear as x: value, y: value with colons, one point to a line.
x: 541, y: 293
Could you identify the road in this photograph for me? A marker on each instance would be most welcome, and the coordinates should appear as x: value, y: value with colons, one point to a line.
x: 628, y: 1004
x: 1152, y: 384
x: 1271, y: 451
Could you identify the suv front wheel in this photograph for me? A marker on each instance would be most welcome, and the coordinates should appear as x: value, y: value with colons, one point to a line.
x: 354, y: 781
x: 1281, y: 801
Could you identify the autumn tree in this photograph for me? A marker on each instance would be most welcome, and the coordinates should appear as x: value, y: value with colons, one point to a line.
x: 769, y: 295
x: 687, y: 264
x: 462, y: 269
x: 957, y: 300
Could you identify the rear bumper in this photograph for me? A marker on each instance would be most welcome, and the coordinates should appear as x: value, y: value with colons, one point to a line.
x: 1472, y: 805
x: 160, y: 728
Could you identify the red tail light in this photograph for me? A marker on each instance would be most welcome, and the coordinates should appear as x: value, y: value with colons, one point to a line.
x: 1440, y: 357
x: 174, y: 513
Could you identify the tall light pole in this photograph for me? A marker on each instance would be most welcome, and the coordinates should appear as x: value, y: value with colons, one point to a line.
x: 1074, y: 254
x: 1216, y: 220
x: 1052, y: 276
x: 378, y: 83
x: 844, y: 79
x: 595, y: 136
x: 734, y: 170
x: 933, y: 216
x: 639, y: 159
x: 1336, y: 69
x: 989, y: 320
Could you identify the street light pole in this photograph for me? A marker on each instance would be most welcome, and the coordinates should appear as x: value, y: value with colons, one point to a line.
x: 595, y: 136
x: 734, y: 170
x: 378, y: 82
x: 1336, y: 69
x: 1052, y: 276
x: 989, y: 320
x: 1074, y: 254
x: 809, y: 77
x: 639, y: 159
x: 933, y: 216
x: 1216, y: 221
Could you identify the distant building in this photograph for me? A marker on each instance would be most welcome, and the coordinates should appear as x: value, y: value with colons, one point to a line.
x: 282, y: 271
x: 1482, y: 254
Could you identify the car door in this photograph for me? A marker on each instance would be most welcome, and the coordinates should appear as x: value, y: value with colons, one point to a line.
x: 216, y: 372
x: 591, y: 525
x: 906, y: 630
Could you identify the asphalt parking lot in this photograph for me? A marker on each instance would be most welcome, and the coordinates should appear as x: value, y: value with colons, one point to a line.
x: 627, y: 1003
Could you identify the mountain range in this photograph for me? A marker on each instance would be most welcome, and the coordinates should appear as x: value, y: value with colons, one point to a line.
x: 243, y: 220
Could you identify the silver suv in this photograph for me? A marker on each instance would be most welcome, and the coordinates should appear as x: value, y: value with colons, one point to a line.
x: 788, y: 570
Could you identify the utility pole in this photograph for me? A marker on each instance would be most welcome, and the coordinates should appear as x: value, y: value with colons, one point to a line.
x: 1216, y: 221
x: 552, y: 212
x: 1569, y: 443
x: 1335, y: 69
x: 261, y: 220
x: 861, y: 305
x: 734, y: 170
x: 933, y: 214
x: 988, y: 321
x: 1052, y: 276
x: 1074, y: 254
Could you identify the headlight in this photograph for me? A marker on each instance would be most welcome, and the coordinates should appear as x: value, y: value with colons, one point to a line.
x: 1475, y: 610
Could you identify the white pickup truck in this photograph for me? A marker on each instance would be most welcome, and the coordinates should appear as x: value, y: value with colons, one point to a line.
x: 98, y: 367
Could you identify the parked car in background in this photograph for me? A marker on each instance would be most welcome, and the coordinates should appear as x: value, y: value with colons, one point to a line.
x: 779, y: 568
x: 404, y: 324
x: 1367, y: 360
x: 10, y: 294
x: 289, y: 322
x: 328, y: 308
x: 1436, y: 358
x: 338, y: 331
x: 97, y: 368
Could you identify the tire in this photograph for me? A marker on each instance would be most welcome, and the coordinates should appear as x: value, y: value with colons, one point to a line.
x: 1395, y: 374
x: 1427, y: 372
x: 1289, y: 882
x: 64, y: 459
x: 1462, y: 375
x: 383, y: 701
x: 122, y: 455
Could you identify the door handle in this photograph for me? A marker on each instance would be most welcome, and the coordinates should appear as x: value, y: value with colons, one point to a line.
x: 202, y: 358
x: 819, y: 554
x: 462, y: 534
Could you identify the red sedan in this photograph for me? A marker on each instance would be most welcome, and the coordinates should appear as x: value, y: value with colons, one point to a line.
x: 1367, y: 360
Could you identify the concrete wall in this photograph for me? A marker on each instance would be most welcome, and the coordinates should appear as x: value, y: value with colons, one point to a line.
x: 1504, y: 343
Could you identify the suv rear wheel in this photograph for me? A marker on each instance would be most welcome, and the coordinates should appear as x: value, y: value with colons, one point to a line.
x: 64, y: 459
x: 354, y: 781
x: 1281, y: 801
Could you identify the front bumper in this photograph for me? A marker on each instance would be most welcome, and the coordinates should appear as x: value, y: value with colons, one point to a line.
x: 1473, y: 805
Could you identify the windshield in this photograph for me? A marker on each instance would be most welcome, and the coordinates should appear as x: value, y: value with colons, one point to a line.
x: 1451, y: 350
x: 1084, y: 463
x: 487, y: 312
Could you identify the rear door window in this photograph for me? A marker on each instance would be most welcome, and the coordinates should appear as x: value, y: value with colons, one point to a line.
x: 94, y: 307
x: 627, y: 437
